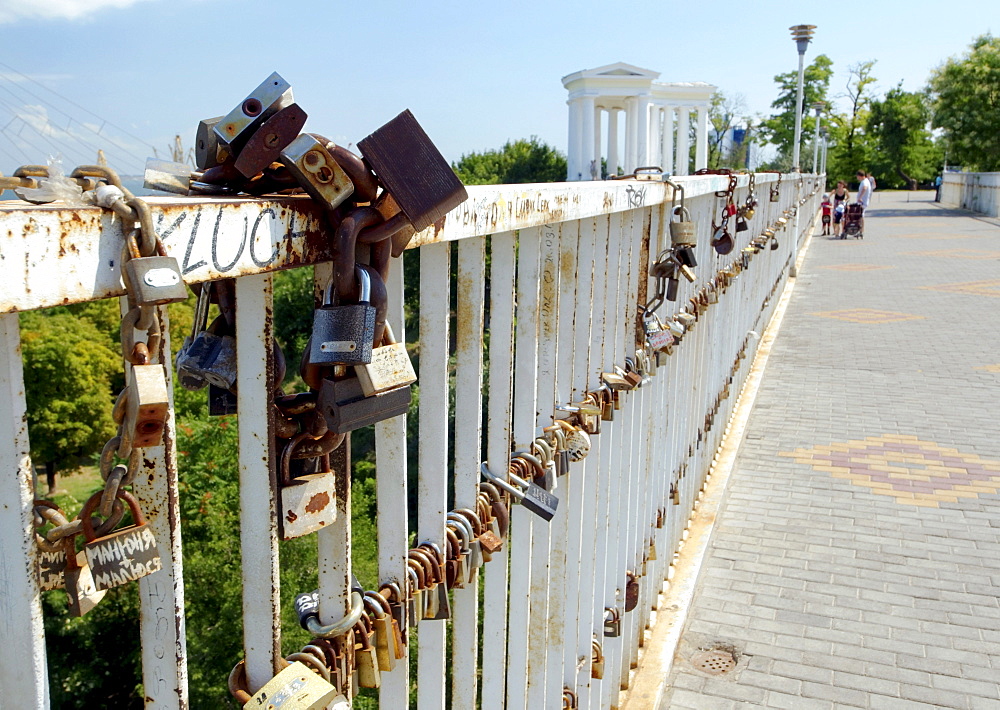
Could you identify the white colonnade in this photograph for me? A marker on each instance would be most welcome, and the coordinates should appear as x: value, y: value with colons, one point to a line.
x: 652, y: 110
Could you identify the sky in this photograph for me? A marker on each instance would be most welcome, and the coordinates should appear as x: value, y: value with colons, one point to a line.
x: 132, y: 74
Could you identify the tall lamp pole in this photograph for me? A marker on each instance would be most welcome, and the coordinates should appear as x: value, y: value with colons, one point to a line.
x: 822, y: 164
x: 802, y: 34
x: 818, y: 106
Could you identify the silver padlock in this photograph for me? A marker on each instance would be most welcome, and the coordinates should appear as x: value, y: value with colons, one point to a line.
x: 683, y: 232
x: 152, y: 280
x: 273, y: 94
x: 316, y: 170
x: 344, y: 334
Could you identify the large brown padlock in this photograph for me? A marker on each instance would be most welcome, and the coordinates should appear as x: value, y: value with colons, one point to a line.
x: 308, y: 502
x: 631, y: 591
x: 121, y: 556
x: 414, y: 172
x: 295, y: 687
x: 265, y: 145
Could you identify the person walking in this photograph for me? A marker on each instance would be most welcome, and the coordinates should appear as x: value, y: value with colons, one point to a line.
x: 864, y: 195
x: 840, y: 199
x: 827, y: 209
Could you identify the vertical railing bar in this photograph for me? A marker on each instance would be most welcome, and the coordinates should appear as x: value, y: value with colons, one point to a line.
x: 258, y: 508
x: 391, y: 493
x: 573, y: 291
x: 501, y: 356
x: 522, y: 523
x: 594, y: 242
x: 161, y: 594
x: 542, y: 532
x: 468, y: 443
x: 23, y: 670
x: 432, y: 484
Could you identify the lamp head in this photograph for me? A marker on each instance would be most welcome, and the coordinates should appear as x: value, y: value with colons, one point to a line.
x: 802, y: 34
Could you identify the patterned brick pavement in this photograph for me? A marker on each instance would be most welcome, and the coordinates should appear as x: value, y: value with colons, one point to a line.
x: 857, y: 558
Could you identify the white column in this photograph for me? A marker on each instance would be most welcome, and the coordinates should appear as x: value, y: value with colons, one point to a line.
x: 683, y: 143
x: 642, y: 131
x: 701, y: 144
x: 587, y: 154
x: 575, y: 133
x: 597, y: 139
x: 667, y: 140
x: 653, y: 141
x: 613, y: 141
x: 631, y: 140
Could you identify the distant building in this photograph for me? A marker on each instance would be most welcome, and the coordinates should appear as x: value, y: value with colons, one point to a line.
x: 650, y: 125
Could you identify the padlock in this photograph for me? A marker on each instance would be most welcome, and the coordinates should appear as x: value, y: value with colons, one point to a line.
x: 273, y: 94
x: 385, y: 635
x: 596, y: 660
x: 316, y: 170
x: 206, y: 144
x: 221, y: 402
x: 684, y: 256
x: 730, y: 210
x: 365, y: 654
x: 577, y: 440
x: 264, y: 146
x: 146, y: 407
x: 456, y: 569
x: 344, y: 405
x: 124, y: 555
x: 612, y: 622
x: 79, y: 580
x: 344, y: 334
x: 534, y: 498
x: 308, y: 502
x: 191, y: 380
x: 390, y: 367
x: 414, y: 172
x: 211, y: 357
x: 295, y: 687
x: 722, y: 240
x: 631, y: 591
x: 152, y: 280
x: 683, y: 232
x: 741, y: 223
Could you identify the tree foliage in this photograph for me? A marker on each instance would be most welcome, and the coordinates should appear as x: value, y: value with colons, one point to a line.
x: 779, y: 129
x: 724, y: 112
x: 70, y: 367
x: 851, y: 147
x: 904, y: 152
x: 966, y: 105
x: 520, y: 161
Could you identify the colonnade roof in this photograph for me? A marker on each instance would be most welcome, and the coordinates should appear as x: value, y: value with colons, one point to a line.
x: 611, y: 84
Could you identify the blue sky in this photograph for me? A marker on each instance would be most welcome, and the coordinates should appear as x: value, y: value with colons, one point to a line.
x: 475, y: 74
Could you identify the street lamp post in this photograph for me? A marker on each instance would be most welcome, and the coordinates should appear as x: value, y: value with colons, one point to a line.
x: 802, y: 34
x: 824, y: 135
x: 818, y: 106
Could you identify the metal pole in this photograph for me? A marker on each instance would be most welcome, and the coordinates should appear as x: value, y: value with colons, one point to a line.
x: 816, y: 143
x: 798, y: 109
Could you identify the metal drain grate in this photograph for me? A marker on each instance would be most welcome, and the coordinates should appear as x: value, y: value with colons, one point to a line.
x: 714, y: 661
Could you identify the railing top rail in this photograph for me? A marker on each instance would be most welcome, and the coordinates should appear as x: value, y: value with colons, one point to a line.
x: 219, y: 238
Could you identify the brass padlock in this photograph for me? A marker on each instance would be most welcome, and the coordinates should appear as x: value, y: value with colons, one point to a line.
x: 683, y: 232
x: 295, y: 687
x: 316, y: 170
x: 124, y: 555
x: 365, y: 657
x: 596, y: 660
x: 390, y: 367
x: 146, y: 407
x: 612, y: 622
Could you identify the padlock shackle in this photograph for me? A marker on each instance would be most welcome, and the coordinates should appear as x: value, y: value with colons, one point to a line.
x: 91, y: 505
x: 338, y: 628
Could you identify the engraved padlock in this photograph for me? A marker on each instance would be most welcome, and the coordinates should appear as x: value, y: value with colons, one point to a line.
x: 390, y: 367
x: 682, y: 230
x: 344, y: 334
x: 308, y: 502
x: 124, y: 555
x: 295, y: 687
x: 152, y: 280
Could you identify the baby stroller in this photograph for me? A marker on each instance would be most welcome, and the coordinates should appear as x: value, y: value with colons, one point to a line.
x: 852, y: 221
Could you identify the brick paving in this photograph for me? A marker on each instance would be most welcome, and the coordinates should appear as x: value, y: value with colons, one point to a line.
x: 857, y: 558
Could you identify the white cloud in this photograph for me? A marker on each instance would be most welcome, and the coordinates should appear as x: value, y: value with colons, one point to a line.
x: 15, y: 10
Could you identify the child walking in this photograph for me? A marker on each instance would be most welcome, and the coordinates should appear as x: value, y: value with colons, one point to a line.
x: 827, y: 210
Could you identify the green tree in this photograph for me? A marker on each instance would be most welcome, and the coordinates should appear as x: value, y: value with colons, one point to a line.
x: 779, y: 129
x: 904, y: 152
x: 69, y: 368
x: 520, y: 161
x: 850, y: 146
x: 723, y: 113
x: 966, y: 105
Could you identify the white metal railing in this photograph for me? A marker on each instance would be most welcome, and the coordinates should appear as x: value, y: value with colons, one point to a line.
x: 569, y: 266
x: 979, y: 192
